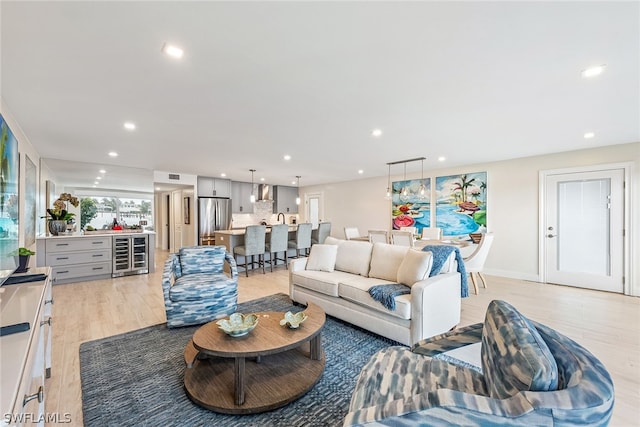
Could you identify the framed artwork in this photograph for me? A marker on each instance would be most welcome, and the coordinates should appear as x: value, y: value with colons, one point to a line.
x: 186, y: 204
x: 411, y: 204
x: 461, y: 203
x: 30, y: 202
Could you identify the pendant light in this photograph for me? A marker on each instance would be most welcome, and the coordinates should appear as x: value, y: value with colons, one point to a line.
x: 422, y: 190
x: 252, y: 198
x: 388, y: 196
x: 298, y: 198
x: 404, y: 192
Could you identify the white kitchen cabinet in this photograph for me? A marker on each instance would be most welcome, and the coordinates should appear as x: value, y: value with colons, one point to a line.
x: 240, y: 197
x: 285, y: 198
x: 26, y: 356
x: 213, y: 187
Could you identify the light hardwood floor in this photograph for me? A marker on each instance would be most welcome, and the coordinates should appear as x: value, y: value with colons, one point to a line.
x: 606, y: 324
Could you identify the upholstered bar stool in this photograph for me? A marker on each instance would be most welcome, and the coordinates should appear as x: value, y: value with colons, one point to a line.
x: 321, y: 233
x: 254, y: 244
x: 278, y: 242
x: 303, y: 239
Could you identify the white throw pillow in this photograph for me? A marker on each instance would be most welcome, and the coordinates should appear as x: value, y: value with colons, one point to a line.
x: 322, y: 258
x: 415, y: 266
x: 354, y: 257
x: 386, y: 260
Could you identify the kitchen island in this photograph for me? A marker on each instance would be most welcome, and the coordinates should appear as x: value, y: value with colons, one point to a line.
x: 93, y: 256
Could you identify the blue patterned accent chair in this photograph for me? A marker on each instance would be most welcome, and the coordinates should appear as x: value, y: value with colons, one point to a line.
x: 196, y: 288
x: 530, y: 375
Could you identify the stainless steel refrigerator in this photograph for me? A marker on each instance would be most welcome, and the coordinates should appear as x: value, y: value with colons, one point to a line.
x: 214, y: 214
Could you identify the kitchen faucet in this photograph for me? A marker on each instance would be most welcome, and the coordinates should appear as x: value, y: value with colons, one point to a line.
x: 283, y: 217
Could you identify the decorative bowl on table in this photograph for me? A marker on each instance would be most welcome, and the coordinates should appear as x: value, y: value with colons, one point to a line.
x: 293, y: 320
x: 238, y: 324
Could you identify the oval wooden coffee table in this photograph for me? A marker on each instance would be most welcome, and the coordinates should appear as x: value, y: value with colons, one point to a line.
x: 283, y: 364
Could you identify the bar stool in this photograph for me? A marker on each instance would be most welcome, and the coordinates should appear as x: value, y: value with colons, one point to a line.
x: 278, y: 242
x: 303, y: 239
x: 254, y: 243
x: 321, y: 233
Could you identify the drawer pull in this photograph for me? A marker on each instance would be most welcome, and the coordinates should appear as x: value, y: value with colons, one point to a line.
x: 49, y: 301
x: 46, y: 322
x: 62, y: 257
x: 39, y: 395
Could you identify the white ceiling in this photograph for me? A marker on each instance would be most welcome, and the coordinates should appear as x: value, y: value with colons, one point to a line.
x: 472, y: 81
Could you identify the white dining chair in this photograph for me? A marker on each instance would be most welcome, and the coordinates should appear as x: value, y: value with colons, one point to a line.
x: 351, y: 232
x: 432, y: 233
x: 412, y: 230
x: 474, y: 263
x: 402, y: 238
x: 378, y: 236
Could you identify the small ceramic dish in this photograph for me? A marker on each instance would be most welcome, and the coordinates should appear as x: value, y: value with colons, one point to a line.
x: 293, y: 320
x: 238, y: 324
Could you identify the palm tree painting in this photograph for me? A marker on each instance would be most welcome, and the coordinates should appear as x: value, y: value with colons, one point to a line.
x: 461, y: 203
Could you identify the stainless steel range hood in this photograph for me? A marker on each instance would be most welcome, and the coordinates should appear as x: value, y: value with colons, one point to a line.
x: 264, y: 192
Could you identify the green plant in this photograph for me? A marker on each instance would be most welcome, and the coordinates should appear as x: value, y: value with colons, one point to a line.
x: 22, y: 252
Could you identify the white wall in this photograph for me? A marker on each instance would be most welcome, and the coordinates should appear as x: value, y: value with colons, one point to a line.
x: 512, y: 205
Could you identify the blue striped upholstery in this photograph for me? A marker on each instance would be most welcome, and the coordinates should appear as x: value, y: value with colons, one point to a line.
x: 196, y: 290
x: 398, y: 387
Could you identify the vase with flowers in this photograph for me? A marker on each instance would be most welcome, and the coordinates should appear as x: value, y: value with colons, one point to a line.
x: 58, y: 216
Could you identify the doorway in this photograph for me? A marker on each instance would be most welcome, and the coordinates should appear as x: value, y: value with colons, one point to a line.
x: 583, y: 242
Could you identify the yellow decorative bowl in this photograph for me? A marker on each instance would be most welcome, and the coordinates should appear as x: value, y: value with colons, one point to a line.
x: 238, y: 324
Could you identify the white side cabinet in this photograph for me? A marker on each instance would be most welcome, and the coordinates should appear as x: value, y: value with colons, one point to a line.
x: 74, y: 259
x: 26, y: 356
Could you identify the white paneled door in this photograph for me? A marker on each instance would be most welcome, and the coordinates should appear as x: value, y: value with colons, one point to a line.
x: 584, y: 229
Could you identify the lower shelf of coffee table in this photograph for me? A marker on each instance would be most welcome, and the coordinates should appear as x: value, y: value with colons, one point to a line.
x: 275, y: 381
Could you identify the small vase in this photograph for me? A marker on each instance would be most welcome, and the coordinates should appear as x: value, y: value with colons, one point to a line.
x: 57, y: 226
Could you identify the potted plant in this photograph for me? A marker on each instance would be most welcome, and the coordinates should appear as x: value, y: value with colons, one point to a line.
x: 58, y: 216
x: 21, y: 256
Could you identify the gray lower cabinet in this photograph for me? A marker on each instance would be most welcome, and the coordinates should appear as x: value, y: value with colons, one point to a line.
x: 75, y: 259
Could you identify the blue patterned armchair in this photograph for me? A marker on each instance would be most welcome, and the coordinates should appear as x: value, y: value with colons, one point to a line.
x: 530, y: 375
x: 196, y: 289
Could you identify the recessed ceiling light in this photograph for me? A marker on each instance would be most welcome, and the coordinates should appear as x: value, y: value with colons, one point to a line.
x: 376, y: 132
x: 113, y: 154
x: 593, y: 71
x: 102, y: 171
x: 287, y: 157
x: 129, y: 126
x: 172, y: 51
x: 442, y: 158
x: 589, y: 135
x: 360, y: 171
x: 223, y: 174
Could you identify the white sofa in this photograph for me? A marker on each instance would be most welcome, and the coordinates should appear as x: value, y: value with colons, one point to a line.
x: 337, y: 276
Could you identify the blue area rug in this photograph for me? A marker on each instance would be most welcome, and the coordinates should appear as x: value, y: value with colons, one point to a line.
x: 136, y: 379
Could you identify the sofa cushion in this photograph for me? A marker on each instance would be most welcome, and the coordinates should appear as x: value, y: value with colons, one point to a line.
x: 202, y: 259
x: 514, y: 356
x: 354, y: 257
x: 333, y: 241
x: 385, y: 261
x: 356, y: 289
x: 322, y: 257
x: 319, y: 281
x: 415, y: 266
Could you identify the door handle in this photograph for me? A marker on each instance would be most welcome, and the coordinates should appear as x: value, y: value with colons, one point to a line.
x: 551, y: 235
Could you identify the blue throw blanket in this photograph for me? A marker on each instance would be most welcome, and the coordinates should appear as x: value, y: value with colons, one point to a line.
x: 386, y: 294
x: 440, y: 255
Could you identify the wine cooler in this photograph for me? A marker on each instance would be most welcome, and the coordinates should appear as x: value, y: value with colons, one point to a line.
x: 130, y: 255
